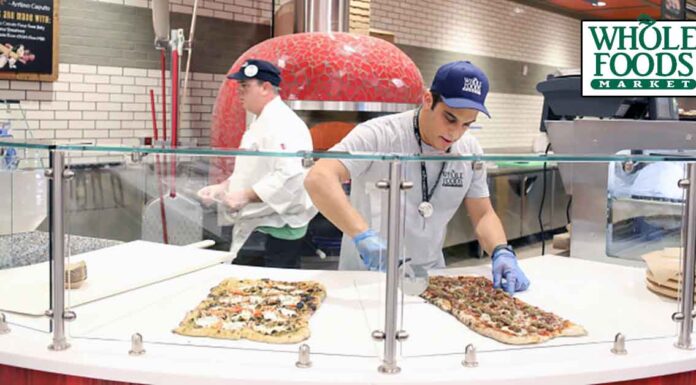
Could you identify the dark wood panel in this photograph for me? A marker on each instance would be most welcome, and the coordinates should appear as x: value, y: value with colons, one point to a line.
x: 20, y: 376
x: 10, y: 375
x: 687, y: 378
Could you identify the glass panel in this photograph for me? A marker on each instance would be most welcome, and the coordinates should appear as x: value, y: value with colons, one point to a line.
x: 603, y: 294
x: 201, y: 151
x: 24, y: 237
x: 645, y: 207
x: 136, y: 282
x: 155, y: 245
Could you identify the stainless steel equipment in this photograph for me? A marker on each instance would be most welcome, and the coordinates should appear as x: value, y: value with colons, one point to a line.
x: 587, y: 182
x: 516, y: 196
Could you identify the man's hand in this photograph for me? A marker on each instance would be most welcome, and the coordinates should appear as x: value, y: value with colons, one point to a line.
x: 236, y: 200
x: 211, y: 194
x: 507, y: 273
x: 372, y: 249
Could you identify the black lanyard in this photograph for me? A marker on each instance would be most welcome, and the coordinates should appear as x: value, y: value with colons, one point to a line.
x: 427, y: 193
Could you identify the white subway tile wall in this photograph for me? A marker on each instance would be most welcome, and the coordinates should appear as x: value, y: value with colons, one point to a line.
x: 248, y: 11
x: 497, y: 28
x: 514, y: 122
x: 109, y: 105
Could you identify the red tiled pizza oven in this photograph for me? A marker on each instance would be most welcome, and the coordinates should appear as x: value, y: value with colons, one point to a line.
x: 318, y: 66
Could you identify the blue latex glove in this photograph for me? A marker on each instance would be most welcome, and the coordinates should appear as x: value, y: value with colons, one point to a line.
x: 507, y: 273
x: 372, y: 249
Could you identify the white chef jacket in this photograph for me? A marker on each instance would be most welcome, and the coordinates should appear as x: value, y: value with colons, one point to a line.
x: 278, y: 181
x: 423, y: 237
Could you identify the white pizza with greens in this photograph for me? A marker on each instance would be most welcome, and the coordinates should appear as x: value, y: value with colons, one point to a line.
x: 260, y: 310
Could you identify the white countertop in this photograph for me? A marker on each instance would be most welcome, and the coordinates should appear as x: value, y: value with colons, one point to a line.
x: 110, y: 271
x: 604, y: 298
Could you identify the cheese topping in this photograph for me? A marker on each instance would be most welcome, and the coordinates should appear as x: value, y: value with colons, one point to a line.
x: 233, y: 325
x: 232, y: 299
x: 207, y: 321
x: 286, y: 300
x: 245, y: 314
x: 270, y: 316
x: 269, y: 329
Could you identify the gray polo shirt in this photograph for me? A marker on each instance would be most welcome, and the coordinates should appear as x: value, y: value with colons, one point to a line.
x: 423, y: 237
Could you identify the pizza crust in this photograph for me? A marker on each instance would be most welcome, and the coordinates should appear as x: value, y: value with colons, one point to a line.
x: 573, y: 330
x: 292, y: 337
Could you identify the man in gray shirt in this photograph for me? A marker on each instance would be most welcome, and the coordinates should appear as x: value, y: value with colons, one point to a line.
x: 439, y: 126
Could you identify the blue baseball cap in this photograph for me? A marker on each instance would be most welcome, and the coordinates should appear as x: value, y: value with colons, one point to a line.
x: 461, y: 85
x: 258, y: 69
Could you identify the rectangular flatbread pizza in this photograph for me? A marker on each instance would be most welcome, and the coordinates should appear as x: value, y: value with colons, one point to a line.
x: 494, y: 313
x: 259, y: 310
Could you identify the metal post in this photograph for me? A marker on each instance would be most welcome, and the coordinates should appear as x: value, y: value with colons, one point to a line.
x: 57, y: 252
x: 393, y: 245
x: 685, y: 316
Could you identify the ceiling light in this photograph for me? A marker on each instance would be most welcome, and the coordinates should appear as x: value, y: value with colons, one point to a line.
x: 599, y: 4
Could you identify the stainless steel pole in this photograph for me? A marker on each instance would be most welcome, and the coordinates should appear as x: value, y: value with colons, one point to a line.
x: 393, y: 245
x: 688, y: 261
x: 57, y: 252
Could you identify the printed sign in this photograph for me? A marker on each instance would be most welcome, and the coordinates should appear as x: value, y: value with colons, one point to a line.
x: 28, y: 39
x: 638, y: 58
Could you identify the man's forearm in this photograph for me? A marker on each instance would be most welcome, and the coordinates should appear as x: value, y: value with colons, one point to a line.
x: 489, y: 231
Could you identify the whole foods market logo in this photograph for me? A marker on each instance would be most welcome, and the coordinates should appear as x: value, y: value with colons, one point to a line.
x: 638, y: 58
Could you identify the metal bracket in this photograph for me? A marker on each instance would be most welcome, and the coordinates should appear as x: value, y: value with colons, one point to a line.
x: 470, y: 360
x: 406, y: 185
x: 69, y: 315
x: 4, y: 328
x: 388, y: 369
x: 683, y: 183
x: 619, y: 347
x: 303, y: 360
x: 382, y: 184
x: 67, y: 173
x: 58, y: 346
x: 401, y: 335
x: 137, y: 157
x: 307, y: 160
x: 378, y: 335
x: 136, y: 345
x: 679, y: 316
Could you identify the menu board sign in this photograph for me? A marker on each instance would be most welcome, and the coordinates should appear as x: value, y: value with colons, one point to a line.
x: 29, y: 39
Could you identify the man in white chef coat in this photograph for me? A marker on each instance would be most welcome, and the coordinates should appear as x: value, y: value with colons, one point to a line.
x: 439, y: 126
x: 264, y: 197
